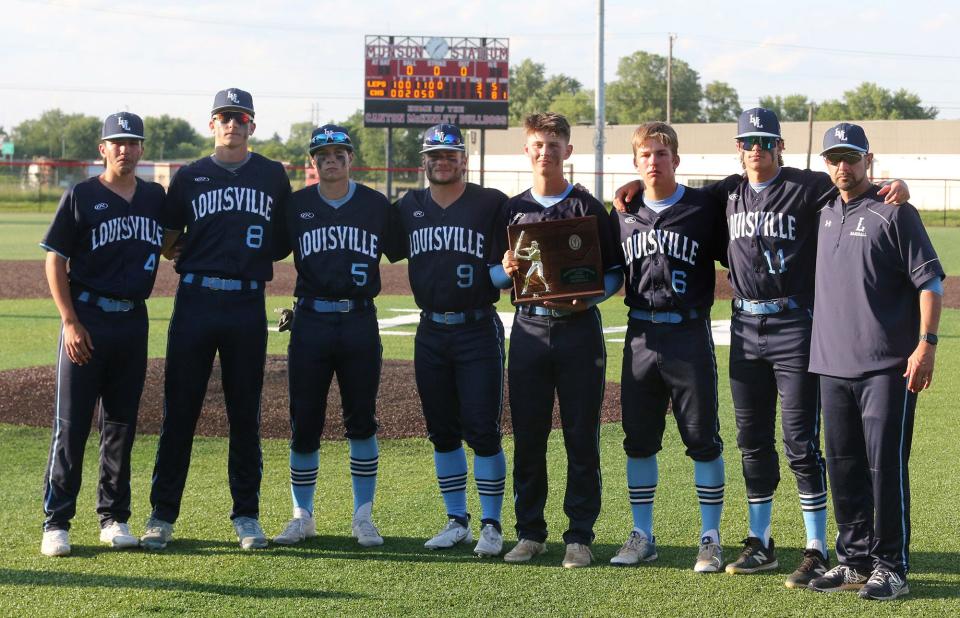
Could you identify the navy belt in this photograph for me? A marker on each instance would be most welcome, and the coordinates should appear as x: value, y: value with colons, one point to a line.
x: 765, y: 307
x: 217, y: 283
x: 663, y: 317
x: 457, y: 317
x: 325, y: 305
x: 110, y: 305
x: 544, y: 311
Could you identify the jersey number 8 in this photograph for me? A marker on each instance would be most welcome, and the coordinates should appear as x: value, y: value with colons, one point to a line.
x: 255, y: 236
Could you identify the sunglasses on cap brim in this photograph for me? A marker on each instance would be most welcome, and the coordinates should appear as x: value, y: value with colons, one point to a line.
x: 334, y: 138
x: 239, y: 117
x: 847, y: 156
x: 447, y: 139
x: 765, y: 142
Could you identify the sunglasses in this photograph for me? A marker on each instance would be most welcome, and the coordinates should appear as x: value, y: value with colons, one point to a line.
x: 328, y: 138
x: 443, y: 139
x: 226, y: 117
x: 766, y: 143
x: 836, y: 158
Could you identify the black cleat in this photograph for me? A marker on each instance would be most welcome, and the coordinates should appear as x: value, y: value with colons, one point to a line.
x: 814, y: 565
x: 754, y: 558
x: 840, y: 577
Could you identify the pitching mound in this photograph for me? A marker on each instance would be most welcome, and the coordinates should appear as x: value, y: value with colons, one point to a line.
x: 27, y: 398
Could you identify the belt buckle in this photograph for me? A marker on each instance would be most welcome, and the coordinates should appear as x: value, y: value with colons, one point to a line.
x: 451, y: 317
x: 653, y: 317
x: 214, y: 283
x: 344, y: 305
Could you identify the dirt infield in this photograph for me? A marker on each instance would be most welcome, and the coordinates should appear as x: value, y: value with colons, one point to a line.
x: 26, y: 398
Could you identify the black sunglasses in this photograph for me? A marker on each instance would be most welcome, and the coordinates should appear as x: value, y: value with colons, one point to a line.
x: 835, y: 158
x: 226, y: 117
x: 766, y: 143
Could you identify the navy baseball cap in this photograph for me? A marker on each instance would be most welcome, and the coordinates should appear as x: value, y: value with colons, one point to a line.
x: 758, y: 122
x: 845, y: 136
x: 122, y: 125
x: 329, y: 135
x: 233, y: 99
x: 443, y: 137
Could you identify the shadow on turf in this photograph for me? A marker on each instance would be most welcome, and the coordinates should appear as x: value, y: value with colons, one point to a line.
x: 48, y: 577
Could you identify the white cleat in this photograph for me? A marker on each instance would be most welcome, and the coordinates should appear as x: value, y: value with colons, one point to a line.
x: 298, y: 529
x: 249, y: 533
x: 156, y: 534
x: 55, y: 543
x: 117, y: 535
x: 454, y: 532
x: 364, y: 531
x: 490, y: 543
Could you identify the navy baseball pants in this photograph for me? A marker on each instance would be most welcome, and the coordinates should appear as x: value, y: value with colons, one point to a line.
x: 205, y: 322
x: 459, y: 372
x: 670, y: 362
x: 566, y: 356
x: 114, y: 375
x: 769, y: 354
x: 868, y: 431
x: 323, y: 345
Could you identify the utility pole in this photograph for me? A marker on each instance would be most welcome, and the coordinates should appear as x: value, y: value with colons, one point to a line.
x: 599, y: 116
x: 670, y: 37
x: 809, y: 133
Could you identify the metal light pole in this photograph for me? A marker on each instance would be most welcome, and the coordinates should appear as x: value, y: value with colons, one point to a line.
x: 599, y: 117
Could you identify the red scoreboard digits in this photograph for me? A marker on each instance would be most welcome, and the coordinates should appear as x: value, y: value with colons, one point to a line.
x: 423, y: 81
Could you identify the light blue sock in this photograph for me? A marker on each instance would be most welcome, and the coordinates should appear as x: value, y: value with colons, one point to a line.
x: 303, y: 479
x: 759, y: 510
x: 642, y: 475
x: 490, y: 474
x: 709, y: 478
x: 452, y: 477
x: 815, y: 520
x: 364, y: 459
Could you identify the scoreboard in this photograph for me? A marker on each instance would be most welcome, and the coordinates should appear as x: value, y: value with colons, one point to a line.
x: 423, y: 81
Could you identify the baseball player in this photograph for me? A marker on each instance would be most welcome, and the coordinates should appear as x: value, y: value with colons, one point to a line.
x: 225, y: 206
x: 771, y: 221
x: 109, y: 229
x: 446, y: 233
x: 878, y: 285
x: 669, y: 241
x: 556, y: 347
x: 532, y: 253
x: 337, y: 230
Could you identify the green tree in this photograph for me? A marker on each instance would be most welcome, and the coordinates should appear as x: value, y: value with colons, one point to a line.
x: 868, y: 101
x: 531, y: 90
x: 831, y: 109
x: 791, y: 108
x: 577, y: 107
x: 58, y: 135
x: 640, y: 93
x: 720, y: 103
x: 169, y: 138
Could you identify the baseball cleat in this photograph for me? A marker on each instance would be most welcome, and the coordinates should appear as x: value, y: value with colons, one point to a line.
x: 709, y: 557
x: 637, y: 548
x: 156, y: 534
x: 364, y: 531
x: 117, y: 534
x: 840, y: 577
x: 814, y: 565
x: 249, y: 533
x: 298, y: 529
x: 454, y: 532
x: 55, y: 543
x: 490, y: 543
x: 525, y: 550
x: 578, y: 555
x: 884, y: 585
x: 754, y: 558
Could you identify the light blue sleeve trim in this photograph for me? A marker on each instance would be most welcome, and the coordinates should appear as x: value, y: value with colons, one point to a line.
x: 499, y: 277
x: 934, y: 285
x: 612, y: 280
x: 52, y: 250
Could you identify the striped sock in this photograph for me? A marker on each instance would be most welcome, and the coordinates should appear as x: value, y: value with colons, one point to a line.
x: 452, y: 478
x: 759, y: 510
x: 303, y: 479
x: 364, y: 460
x: 642, y: 475
x: 709, y: 478
x: 490, y: 474
x: 815, y: 520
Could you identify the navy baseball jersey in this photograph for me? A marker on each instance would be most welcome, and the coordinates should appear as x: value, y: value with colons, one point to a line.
x: 337, y: 250
x: 112, y: 245
x: 449, y: 249
x: 668, y: 258
x: 871, y: 260
x: 524, y: 208
x: 772, y: 248
x: 228, y: 215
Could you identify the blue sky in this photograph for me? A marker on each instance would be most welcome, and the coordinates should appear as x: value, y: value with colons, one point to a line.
x: 99, y: 56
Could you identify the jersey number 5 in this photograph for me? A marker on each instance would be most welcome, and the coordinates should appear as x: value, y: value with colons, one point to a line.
x: 359, y: 272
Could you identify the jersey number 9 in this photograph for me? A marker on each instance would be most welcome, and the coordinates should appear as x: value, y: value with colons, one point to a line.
x: 464, y: 276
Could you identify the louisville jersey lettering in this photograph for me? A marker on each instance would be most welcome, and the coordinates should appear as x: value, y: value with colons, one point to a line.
x: 668, y: 258
x: 337, y: 250
x: 773, y: 234
x: 449, y: 249
x: 229, y: 217
x: 113, y: 245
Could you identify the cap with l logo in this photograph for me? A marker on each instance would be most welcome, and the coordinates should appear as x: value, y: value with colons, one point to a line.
x: 758, y: 122
x: 233, y: 99
x: 845, y: 136
x: 122, y: 125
